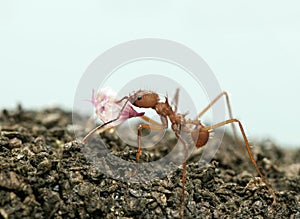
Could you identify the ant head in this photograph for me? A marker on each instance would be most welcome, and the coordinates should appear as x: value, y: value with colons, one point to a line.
x: 144, y: 99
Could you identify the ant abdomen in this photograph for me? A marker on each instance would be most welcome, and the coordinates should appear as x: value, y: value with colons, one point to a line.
x: 200, y: 137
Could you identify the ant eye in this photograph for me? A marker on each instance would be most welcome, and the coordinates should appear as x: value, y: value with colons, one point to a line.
x: 139, y: 97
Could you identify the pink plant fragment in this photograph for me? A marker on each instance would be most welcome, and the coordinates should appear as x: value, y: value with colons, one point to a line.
x: 107, y: 108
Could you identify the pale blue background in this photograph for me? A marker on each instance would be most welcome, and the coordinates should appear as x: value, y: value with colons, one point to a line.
x: 252, y: 47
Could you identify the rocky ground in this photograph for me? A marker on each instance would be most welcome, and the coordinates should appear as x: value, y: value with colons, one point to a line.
x: 44, y: 173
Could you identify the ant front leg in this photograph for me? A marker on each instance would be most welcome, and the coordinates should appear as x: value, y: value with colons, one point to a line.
x: 231, y: 121
x: 153, y: 126
x: 140, y: 128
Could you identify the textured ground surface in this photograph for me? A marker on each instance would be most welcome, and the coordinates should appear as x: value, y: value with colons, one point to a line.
x: 44, y: 174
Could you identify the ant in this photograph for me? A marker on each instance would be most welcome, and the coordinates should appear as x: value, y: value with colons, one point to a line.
x: 199, y: 132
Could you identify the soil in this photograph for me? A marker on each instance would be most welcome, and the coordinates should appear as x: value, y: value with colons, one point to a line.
x: 44, y: 173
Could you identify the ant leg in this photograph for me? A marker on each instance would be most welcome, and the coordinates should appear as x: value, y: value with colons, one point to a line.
x: 183, y: 171
x: 155, y: 126
x: 147, y: 119
x: 160, y: 127
x: 175, y: 100
x: 224, y: 93
x: 102, y: 128
x: 230, y: 121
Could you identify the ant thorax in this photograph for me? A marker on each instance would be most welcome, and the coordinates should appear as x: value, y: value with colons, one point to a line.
x: 164, y: 109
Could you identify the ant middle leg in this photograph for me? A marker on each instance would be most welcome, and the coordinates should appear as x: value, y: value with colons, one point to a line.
x: 175, y: 100
x: 183, y: 170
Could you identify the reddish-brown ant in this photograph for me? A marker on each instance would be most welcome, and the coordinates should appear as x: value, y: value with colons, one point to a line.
x: 199, y: 132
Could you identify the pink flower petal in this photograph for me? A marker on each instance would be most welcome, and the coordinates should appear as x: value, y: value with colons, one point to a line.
x: 107, y: 108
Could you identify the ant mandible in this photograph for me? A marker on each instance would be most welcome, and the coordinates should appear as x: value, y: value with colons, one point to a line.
x: 199, y: 132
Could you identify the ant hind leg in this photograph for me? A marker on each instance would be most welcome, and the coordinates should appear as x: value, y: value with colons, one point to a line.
x: 231, y: 121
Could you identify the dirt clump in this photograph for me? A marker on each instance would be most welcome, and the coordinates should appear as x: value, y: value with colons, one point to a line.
x: 45, y: 173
